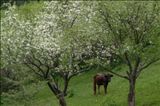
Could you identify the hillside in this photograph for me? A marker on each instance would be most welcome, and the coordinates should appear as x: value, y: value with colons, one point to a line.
x: 81, y: 91
x: 42, y: 42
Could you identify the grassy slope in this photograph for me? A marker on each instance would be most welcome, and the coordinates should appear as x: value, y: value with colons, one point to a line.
x: 147, y: 91
x: 81, y: 91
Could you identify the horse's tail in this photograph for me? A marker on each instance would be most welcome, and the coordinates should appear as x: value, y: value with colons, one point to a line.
x: 94, y: 84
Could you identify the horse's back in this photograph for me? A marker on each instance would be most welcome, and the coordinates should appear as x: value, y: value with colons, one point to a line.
x: 99, y: 78
x: 100, y: 74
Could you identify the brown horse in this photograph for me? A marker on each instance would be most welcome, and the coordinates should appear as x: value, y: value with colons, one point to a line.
x: 101, y: 79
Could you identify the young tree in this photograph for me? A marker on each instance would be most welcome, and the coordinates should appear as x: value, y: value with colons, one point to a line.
x: 133, y: 31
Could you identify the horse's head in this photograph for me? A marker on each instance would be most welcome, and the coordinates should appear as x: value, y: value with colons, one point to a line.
x: 108, y: 77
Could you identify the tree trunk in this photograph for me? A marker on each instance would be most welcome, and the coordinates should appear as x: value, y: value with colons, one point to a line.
x: 59, y: 94
x: 66, y: 82
x: 61, y: 99
x: 131, y: 95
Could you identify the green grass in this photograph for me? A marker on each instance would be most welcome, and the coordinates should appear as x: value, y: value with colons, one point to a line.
x: 81, y: 91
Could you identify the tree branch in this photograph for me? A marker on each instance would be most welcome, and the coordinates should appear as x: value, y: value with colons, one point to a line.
x: 128, y: 61
x: 78, y: 72
x: 138, y: 60
x: 33, y: 69
x: 37, y: 66
x: 122, y: 76
x: 73, y: 21
x: 145, y: 66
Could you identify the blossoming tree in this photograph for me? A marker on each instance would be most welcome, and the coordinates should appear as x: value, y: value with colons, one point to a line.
x: 133, y: 28
x: 45, y: 43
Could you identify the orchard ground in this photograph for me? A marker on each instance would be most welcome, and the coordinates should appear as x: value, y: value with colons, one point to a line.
x: 81, y: 91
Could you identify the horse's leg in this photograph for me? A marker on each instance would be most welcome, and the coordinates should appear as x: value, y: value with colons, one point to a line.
x: 105, y: 88
x: 98, y: 89
x: 94, y: 85
x: 95, y: 89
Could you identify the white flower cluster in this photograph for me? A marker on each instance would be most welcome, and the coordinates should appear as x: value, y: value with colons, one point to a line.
x: 43, y: 32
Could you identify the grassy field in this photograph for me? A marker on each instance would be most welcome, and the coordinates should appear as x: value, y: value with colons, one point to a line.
x: 81, y: 91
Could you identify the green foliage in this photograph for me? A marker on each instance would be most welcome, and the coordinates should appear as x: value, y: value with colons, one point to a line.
x: 8, y: 84
x: 23, y: 97
x: 131, y: 25
x: 29, y: 11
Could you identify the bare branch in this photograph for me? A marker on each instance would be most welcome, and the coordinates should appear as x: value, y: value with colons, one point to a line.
x: 78, y: 72
x: 33, y: 69
x: 34, y: 64
x: 128, y: 61
x: 138, y: 60
x: 142, y: 67
x: 47, y: 72
x: 73, y: 21
x: 122, y: 76
x: 34, y: 57
x: 55, y: 81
